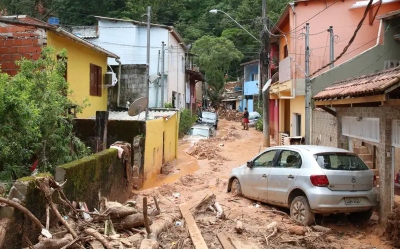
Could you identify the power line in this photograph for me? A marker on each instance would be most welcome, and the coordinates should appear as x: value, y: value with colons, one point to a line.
x: 351, y: 40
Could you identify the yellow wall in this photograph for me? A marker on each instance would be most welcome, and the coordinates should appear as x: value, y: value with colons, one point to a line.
x: 297, y: 105
x: 78, y: 72
x: 154, y: 144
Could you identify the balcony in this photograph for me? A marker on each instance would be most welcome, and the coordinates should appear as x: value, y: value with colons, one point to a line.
x: 283, y: 88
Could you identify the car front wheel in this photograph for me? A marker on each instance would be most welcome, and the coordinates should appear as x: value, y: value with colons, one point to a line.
x: 235, y: 187
x: 300, y: 211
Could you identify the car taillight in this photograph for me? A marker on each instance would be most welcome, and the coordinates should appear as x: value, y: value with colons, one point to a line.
x: 319, y: 180
x: 375, y: 181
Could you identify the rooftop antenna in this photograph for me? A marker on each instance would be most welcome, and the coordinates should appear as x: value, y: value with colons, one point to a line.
x: 138, y: 106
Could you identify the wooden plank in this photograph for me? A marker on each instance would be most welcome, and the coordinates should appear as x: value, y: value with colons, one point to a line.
x: 226, y: 244
x: 195, y: 234
x: 366, y: 99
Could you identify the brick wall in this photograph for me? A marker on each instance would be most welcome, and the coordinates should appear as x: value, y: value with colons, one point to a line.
x: 324, y: 129
x: 16, y: 42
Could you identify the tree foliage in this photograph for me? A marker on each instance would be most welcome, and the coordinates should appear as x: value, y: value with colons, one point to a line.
x: 35, y: 123
x: 215, y: 56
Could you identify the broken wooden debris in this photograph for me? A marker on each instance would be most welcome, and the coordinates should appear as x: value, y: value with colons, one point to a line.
x: 224, y: 240
x: 195, y: 234
x: 321, y: 229
x: 220, y: 211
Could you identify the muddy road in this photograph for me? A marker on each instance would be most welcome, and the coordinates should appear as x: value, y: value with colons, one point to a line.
x: 203, y: 170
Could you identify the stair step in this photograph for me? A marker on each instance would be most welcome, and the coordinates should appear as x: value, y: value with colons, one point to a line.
x: 370, y: 164
x: 376, y: 172
x: 361, y: 150
x: 366, y: 157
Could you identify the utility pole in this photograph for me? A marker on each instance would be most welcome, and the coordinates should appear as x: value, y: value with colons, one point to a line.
x: 148, y: 60
x: 158, y: 74
x: 308, y: 87
x: 264, y: 75
x: 332, y: 40
x: 162, y: 73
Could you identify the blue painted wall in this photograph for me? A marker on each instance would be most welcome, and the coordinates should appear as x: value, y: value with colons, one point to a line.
x: 250, y: 87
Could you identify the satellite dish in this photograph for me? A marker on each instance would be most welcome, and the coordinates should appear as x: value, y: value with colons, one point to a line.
x: 266, y: 85
x: 138, y: 106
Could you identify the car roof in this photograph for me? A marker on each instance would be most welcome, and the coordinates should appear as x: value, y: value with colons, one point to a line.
x: 201, y: 126
x: 313, y: 149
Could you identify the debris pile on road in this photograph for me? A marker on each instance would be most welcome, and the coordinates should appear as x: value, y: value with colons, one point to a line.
x: 230, y: 115
x: 205, y: 150
x: 114, y: 225
x: 393, y: 226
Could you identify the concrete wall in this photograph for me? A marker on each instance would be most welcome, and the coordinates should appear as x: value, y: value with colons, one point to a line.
x: 383, y: 152
x: 161, y: 135
x: 20, y: 42
x: 324, y: 128
x: 78, y: 73
x: 297, y: 106
x: 132, y: 86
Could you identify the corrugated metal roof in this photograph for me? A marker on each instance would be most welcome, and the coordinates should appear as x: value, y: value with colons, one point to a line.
x: 124, y: 116
x: 371, y: 84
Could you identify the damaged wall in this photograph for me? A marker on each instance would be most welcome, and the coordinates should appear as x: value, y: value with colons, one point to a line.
x: 102, y: 174
x: 133, y: 86
x: 17, y: 42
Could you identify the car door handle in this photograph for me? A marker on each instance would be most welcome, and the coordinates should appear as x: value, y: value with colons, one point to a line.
x: 290, y: 177
x: 264, y: 176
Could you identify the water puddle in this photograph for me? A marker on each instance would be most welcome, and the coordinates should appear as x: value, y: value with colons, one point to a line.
x: 184, y: 165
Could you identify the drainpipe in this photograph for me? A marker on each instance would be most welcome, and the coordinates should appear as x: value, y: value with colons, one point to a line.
x: 119, y: 80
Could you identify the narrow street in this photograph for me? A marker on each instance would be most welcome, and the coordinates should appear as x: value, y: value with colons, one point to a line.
x: 206, y: 172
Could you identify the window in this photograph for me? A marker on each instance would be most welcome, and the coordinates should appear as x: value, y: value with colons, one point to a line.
x: 95, y: 80
x: 340, y: 161
x: 266, y: 159
x: 289, y: 159
x: 254, y: 77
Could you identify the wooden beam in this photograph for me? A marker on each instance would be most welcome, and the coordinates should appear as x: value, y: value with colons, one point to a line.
x: 226, y: 244
x: 195, y: 234
x: 372, y: 15
x: 391, y: 102
x: 349, y: 101
x: 328, y: 110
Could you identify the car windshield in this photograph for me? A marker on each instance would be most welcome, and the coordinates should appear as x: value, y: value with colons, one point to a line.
x: 199, y: 132
x: 340, y: 161
x: 208, y: 115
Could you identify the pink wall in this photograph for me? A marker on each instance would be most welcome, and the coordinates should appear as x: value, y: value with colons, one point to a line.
x: 344, y: 21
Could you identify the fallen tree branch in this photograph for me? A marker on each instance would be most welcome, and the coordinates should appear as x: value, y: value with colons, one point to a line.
x: 274, y: 227
x: 23, y: 210
x: 52, y: 243
x: 275, y: 211
x: 98, y: 236
x: 146, y: 221
x: 71, y: 243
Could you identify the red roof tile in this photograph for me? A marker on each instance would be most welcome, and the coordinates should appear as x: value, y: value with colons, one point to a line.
x: 371, y: 84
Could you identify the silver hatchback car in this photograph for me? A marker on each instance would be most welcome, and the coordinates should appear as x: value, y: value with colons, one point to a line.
x: 309, y: 180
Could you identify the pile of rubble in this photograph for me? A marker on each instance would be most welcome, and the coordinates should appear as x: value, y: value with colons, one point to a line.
x: 230, y: 115
x: 230, y: 136
x: 393, y: 226
x: 114, y: 225
x: 205, y: 150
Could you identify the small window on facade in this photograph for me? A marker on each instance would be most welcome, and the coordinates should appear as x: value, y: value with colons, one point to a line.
x: 95, y: 80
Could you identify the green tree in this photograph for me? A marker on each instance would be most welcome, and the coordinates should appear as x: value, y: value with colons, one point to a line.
x: 35, y: 119
x: 215, y: 56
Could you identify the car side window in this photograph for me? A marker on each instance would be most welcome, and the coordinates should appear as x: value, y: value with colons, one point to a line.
x: 265, y: 160
x: 289, y: 159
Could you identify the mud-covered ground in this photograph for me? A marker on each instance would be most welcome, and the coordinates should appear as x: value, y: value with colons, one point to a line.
x: 204, y: 169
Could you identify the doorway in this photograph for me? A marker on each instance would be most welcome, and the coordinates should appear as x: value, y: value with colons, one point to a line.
x: 296, y: 124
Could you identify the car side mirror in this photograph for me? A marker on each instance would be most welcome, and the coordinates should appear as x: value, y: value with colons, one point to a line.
x: 250, y: 164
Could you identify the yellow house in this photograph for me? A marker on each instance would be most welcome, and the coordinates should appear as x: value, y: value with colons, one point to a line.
x: 86, y: 67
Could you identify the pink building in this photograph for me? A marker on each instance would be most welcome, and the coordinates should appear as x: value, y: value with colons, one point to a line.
x: 343, y: 15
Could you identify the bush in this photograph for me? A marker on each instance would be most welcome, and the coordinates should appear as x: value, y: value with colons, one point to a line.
x: 168, y: 105
x: 186, y: 121
x: 259, y: 125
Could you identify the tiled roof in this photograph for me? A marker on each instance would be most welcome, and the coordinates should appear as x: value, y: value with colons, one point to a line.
x: 233, y: 86
x: 124, y: 116
x: 371, y: 84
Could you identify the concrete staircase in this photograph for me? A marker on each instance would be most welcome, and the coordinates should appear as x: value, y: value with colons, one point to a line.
x: 364, y: 153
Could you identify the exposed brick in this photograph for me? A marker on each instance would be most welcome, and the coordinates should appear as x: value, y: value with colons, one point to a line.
x: 27, y: 56
x: 13, y: 50
x: 33, y: 49
x: 22, y: 50
x: 7, y: 57
x: 27, y: 42
x: 35, y: 41
x: 8, y: 43
x: 35, y: 56
x: 16, y: 57
x: 4, y: 50
x: 8, y: 65
x: 12, y: 72
x: 17, y: 42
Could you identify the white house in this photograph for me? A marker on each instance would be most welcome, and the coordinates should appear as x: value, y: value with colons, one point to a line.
x: 128, y: 38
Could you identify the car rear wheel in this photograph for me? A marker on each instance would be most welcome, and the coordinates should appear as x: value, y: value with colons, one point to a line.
x: 300, y: 211
x: 236, y: 188
x: 363, y: 216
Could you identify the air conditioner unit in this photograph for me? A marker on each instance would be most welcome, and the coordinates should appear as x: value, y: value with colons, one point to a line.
x: 110, y: 79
